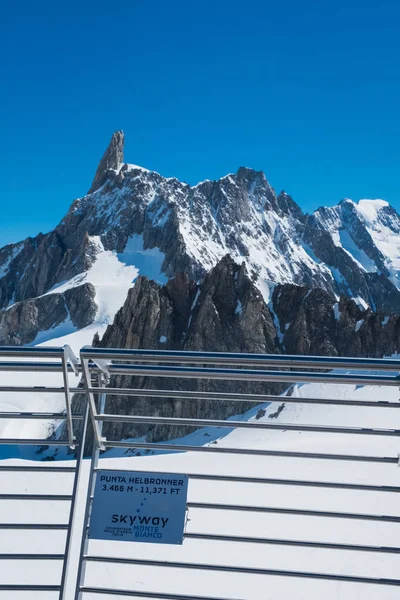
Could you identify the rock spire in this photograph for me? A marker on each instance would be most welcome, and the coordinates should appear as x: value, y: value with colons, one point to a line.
x: 112, y: 159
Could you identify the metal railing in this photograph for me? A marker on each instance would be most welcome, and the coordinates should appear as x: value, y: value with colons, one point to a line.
x: 234, y: 367
x: 44, y: 360
x: 97, y: 368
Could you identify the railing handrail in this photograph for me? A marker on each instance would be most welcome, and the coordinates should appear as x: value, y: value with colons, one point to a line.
x: 33, y: 352
x: 242, y: 359
x: 95, y: 366
x: 104, y: 359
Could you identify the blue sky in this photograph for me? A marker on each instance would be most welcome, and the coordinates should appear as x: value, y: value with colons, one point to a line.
x: 306, y: 91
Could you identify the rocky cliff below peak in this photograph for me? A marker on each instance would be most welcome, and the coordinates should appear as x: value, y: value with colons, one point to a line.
x: 227, y: 312
x: 23, y: 321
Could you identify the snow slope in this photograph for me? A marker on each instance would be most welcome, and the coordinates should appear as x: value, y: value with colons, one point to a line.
x: 243, y: 586
x: 112, y: 275
x: 368, y: 231
x: 266, y: 241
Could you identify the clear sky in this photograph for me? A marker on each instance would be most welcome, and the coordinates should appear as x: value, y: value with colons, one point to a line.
x: 307, y: 91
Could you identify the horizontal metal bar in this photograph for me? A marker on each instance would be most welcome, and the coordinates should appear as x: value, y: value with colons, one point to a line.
x: 295, y: 511
x: 221, y: 396
x: 239, y: 569
x: 40, y: 416
x: 22, y: 366
x: 270, y: 481
x: 60, y: 497
x: 34, y: 526
x: 40, y: 388
x: 288, y: 361
x: 290, y: 482
x: 28, y: 588
x: 179, y: 421
x: 37, y: 468
x: 252, y: 375
x: 32, y: 556
x: 297, y: 543
x: 27, y: 442
x: 249, y: 452
x: 136, y: 594
x: 32, y: 352
x: 276, y: 360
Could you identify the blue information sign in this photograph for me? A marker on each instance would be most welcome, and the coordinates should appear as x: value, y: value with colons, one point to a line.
x: 133, y: 506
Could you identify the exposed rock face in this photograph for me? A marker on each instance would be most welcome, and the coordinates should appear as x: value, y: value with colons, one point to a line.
x: 313, y: 322
x: 306, y: 322
x: 21, y: 323
x: 151, y: 313
x: 226, y: 312
x: 112, y: 160
x: 31, y: 268
x: 361, y: 242
x: 352, y: 278
x: 229, y: 314
x: 383, y: 294
x: 81, y: 304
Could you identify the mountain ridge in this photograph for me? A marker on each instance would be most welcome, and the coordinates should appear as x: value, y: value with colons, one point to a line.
x: 132, y: 215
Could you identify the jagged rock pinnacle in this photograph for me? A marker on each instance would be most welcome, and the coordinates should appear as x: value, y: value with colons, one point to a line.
x: 112, y: 159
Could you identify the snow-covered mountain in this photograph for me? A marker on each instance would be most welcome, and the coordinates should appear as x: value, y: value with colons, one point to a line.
x: 135, y: 221
x: 368, y: 233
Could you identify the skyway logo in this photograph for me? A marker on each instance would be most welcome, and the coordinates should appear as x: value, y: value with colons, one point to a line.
x: 132, y: 520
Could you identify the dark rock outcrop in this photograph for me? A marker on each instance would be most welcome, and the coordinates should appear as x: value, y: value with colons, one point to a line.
x: 33, y: 267
x: 81, y: 304
x: 383, y: 294
x: 312, y: 322
x: 23, y: 321
x: 227, y: 313
x: 112, y: 159
x: 306, y: 320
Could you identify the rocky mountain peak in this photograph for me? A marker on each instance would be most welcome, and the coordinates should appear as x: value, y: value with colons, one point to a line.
x: 346, y: 201
x: 112, y: 159
x: 140, y: 221
x: 247, y: 174
x: 288, y: 206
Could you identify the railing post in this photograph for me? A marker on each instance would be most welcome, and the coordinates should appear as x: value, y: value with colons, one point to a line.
x: 68, y: 404
x: 91, y: 484
x: 74, y: 501
x: 93, y: 411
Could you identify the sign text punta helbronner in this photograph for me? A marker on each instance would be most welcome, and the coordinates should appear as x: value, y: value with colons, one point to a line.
x: 139, y: 507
